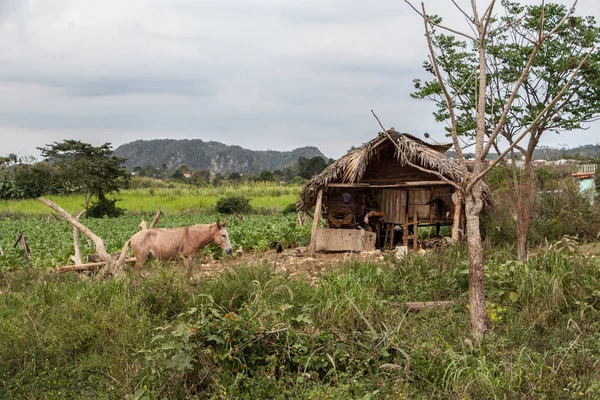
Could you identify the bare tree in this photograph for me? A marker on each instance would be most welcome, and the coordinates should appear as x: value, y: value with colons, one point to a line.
x: 485, y: 135
x: 507, y: 54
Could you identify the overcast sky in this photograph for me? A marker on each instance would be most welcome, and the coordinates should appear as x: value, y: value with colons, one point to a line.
x: 262, y: 74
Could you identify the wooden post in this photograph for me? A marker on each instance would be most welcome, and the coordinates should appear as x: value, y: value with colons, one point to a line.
x: 457, y: 215
x: 316, y: 218
x: 415, y: 228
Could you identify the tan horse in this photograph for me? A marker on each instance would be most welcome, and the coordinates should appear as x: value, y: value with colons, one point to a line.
x: 168, y: 244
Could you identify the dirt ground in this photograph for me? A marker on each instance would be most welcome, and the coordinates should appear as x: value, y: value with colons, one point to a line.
x: 295, y: 262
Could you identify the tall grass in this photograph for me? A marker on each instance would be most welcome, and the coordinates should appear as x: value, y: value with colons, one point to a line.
x: 254, y: 333
x: 265, y: 196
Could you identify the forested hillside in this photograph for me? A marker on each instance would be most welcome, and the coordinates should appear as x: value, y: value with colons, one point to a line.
x: 213, y: 156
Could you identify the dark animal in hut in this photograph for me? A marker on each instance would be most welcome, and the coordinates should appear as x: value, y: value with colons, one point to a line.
x: 168, y: 244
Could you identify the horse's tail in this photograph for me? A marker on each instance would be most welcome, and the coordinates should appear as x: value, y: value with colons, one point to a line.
x: 123, y: 255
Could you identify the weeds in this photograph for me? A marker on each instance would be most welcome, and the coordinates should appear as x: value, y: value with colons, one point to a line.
x: 252, y: 333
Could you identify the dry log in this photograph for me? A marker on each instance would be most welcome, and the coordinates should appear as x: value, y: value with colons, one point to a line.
x: 156, y: 218
x: 77, y: 256
x: 80, y: 267
x: 421, y: 305
x: 1, y: 252
x: 111, y: 266
x: 85, y: 267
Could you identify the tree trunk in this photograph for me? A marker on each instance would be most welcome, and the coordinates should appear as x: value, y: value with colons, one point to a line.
x: 523, y: 222
x: 479, y: 319
x: 522, y: 188
x: 457, y: 217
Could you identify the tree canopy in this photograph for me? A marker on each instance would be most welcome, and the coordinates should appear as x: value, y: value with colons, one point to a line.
x: 508, y: 51
x: 93, y: 171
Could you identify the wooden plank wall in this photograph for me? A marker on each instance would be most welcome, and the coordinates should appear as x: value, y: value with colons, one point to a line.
x: 417, y: 200
x: 393, y: 203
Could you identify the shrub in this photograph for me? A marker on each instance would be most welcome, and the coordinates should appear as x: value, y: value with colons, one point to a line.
x: 290, y: 209
x: 565, y: 212
x: 104, y: 207
x: 233, y: 204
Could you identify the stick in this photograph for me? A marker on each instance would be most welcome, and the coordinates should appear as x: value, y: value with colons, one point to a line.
x: 85, y: 267
x: 21, y: 240
x: 156, y: 218
x: 77, y: 256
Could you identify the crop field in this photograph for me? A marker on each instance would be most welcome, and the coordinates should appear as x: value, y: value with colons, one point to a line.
x: 51, y: 240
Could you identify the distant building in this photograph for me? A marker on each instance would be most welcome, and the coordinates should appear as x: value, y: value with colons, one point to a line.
x: 587, y: 181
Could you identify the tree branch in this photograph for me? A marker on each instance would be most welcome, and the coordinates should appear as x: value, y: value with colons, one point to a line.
x: 533, y: 124
x: 449, y: 103
x: 426, y: 18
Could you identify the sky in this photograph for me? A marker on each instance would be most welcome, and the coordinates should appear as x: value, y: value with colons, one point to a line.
x: 262, y: 74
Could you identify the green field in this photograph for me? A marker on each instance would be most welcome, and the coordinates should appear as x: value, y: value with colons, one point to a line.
x: 51, y: 240
x: 264, y: 197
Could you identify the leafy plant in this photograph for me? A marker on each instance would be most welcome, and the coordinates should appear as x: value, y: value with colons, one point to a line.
x: 233, y: 204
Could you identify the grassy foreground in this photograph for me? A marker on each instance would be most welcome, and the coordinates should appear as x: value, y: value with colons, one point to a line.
x: 251, y: 333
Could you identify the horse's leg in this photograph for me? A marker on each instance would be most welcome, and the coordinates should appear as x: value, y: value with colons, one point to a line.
x: 189, y: 264
x: 139, y: 261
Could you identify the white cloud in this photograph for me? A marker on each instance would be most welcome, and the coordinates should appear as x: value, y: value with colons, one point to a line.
x: 258, y: 73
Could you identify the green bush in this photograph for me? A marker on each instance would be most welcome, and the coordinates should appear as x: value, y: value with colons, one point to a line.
x: 565, y: 212
x: 290, y: 209
x: 233, y: 204
x: 104, y: 207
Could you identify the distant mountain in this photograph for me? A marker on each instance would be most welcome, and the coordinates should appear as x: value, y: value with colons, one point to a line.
x: 213, y: 156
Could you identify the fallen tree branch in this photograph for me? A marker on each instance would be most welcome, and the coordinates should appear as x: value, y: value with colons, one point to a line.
x: 156, y: 218
x: 98, y: 242
x: 85, y: 267
x: 77, y: 256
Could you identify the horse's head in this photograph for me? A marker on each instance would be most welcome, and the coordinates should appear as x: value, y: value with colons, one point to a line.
x: 221, y: 238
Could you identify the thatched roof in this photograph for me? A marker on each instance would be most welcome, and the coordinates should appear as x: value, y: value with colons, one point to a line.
x: 351, y: 167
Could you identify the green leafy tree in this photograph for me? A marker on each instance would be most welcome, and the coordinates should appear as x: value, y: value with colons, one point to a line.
x: 468, y: 111
x: 234, y: 176
x: 265, y: 176
x: 508, y: 51
x: 309, y: 167
x: 93, y: 171
x: 200, y: 177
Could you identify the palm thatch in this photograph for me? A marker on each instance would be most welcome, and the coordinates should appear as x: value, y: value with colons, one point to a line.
x: 409, y: 150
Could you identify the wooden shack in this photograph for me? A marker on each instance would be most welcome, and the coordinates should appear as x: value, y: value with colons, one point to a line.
x: 379, y: 194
